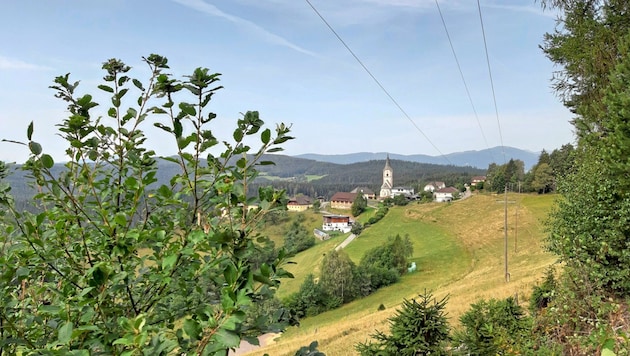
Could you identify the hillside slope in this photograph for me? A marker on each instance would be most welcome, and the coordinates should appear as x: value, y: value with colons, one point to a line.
x: 459, y: 250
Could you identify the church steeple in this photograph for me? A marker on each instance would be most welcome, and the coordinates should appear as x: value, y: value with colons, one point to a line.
x: 388, y: 179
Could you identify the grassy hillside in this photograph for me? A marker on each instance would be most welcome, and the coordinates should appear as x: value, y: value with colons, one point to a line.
x: 459, y: 251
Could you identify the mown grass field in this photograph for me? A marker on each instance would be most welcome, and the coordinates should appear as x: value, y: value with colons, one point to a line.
x: 459, y: 250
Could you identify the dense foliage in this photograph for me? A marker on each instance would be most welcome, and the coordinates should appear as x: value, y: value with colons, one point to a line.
x: 115, y: 263
x: 589, y: 227
x: 358, y: 205
x: 298, y: 238
x: 342, y: 281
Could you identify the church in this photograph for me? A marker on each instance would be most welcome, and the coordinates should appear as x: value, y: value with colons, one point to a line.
x: 388, y: 180
x: 387, y: 189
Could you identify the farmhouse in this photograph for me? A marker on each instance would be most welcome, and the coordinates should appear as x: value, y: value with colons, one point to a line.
x: 445, y: 194
x: 477, y: 179
x: 337, y: 222
x: 406, y: 191
x: 433, y: 186
x: 342, y: 200
x: 367, y: 192
x: 299, y: 203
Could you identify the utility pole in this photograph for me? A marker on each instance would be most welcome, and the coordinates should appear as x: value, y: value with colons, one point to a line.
x: 505, y: 236
x: 516, y: 222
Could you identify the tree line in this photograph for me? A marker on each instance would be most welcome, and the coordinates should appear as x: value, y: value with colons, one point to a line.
x: 542, y: 178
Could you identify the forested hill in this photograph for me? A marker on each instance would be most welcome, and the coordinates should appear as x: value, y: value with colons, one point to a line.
x: 299, y: 175
x: 479, y: 159
x: 345, y: 177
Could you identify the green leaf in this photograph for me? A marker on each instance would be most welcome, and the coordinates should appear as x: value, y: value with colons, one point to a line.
x: 228, y: 338
x: 120, y: 219
x: 169, y: 261
x: 131, y: 183
x: 123, y: 341
x: 230, y: 274
x: 106, y: 88
x: 138, y: 84
x: 177, y: 128
x: 47, y: 161
x: 49, y: 309
x: 266, y: 136
x: 163, y: 127
x: 35, y: 147
x: 29, y: 131
x: 65, y: 333
x: 192, y: 328
x: 93, y: 155
x: 187, y: 109
x: 238, y: 135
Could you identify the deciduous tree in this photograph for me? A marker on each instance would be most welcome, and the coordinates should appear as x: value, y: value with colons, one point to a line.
x: 117, y: 264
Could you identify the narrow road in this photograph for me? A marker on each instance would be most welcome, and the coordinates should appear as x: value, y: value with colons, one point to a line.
x: 345, y: 242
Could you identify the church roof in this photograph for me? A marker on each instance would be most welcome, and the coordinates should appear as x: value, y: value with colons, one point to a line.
x: 387, y: 165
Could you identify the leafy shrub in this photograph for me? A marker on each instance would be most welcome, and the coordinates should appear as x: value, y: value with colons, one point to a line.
x: 118, y: 263
x: 392, y: 255
x: 582, y: 318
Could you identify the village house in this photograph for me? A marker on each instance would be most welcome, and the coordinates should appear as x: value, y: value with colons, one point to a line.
x: 445, y: 194
x: 342, y: 200
x: 299, y: 203
x: 477, y: 179
x: 337, y: 223
x: 406, y: 191
x: 433, y: 186
x: 367, y: 192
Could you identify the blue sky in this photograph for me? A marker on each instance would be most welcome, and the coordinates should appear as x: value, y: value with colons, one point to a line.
x: 278, y: 57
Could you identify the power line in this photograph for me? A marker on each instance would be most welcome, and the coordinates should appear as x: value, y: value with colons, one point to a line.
x: 461, y: 73
x: 377, y: 81
x: 494, y: 97
x: 496, y: 110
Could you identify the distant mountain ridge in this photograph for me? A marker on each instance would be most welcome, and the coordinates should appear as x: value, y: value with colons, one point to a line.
x: 479, y: 159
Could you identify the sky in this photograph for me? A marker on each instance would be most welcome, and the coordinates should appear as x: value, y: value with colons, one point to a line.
x: 279, y: 58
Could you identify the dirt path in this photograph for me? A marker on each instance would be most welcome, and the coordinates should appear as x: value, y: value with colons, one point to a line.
x: 245, y: 347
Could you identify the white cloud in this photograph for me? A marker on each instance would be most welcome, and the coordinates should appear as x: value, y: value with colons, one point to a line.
x: 212, y: 10
x: 11, y: 63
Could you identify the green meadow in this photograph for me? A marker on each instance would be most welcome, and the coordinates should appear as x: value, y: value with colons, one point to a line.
x: 459, y: 250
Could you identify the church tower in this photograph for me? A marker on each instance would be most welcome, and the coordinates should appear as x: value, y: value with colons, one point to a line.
x: 388, y: 180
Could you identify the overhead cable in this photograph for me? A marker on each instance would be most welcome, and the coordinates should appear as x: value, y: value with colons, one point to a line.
x: 494, y: 97
x: 461, y: 73
x: 377, y: 81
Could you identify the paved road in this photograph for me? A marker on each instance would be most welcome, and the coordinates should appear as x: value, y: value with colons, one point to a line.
x: 345, y: 242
